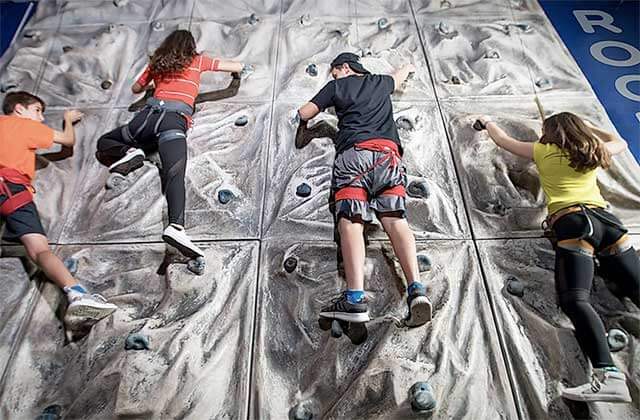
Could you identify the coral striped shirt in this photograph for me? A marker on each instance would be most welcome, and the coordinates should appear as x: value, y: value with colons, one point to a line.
x: 181, y: 86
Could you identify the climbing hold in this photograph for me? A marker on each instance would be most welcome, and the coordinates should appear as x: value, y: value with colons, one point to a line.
x: 455, y: 80
x: 136, y: 341
x: 241, y: 121
x: 301, y: 412
x: 115, y: 180
x: 106, y: 84
x: 492, y: 54
x: 290, y: 264
x: 224, y: 196
x: 305, y: 20
x: 479, y: 125
x: 158, y: 26
x: 383, y: 23
x: 52, y: 412
x: 312, y: 70
x: 5, y: 87
x: 523, y: 27
x: 543, y: 83
x: 247, y: 69
x: 303, y: 190
x: 32, y: 34
x: 617, y: 339
x: 120, y: 3
x: 253, y: 19
x: 445, y: 4
x: 424, y: 263
x: 418, y: 189
x: 72, y: 265
x: 341, y: 32
x: 197, y: 266
x: 336, y: 329
x: 515, y: 287
x: 444, y: 28
x: 404, y: 123
x: 66, y: 48
x: 366, y: 52
x: 421, y: 398
x: 498, y: 208
x: 111, y: 27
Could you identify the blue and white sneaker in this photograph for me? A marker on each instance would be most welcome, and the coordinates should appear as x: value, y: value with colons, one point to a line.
x: 419, y: 305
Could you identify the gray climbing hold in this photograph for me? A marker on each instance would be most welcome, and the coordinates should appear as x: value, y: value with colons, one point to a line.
x: 617, y: 339
x: 404, y: 123
x: 136, y: 341
x: 253, y: 19
x: 444, y: 28
x: 479, y: 125
x: 5, y: 87
x: 120, y: 3
x: 455, y: 80
x: 341, y: 32
x: 445, y: 4
x: 366, y: 52
x: 305, y: 20
x: 72, y: 265
x: 424, y: 263
x: 312, y: 70
x: 32, y: 34
x: 383, y: 23
x: 115, y: 180
x: 158, y: 26
x: 515, y: 287
x: 106, y: 84
x: 241, y: 121
x: 543, y: 83
x: 224, y: 196
x: 67, y: 48
x: 197, y: 266
x: 247, y: 69
x: 52, y: 412
x: 493, y: 54
x: 418, y: 189
x: 303, y: 190
x: 421, y: 398
x: 301, y: 412
x: 290, y: 264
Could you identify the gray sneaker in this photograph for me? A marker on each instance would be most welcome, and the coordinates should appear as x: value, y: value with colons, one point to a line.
x: 605, y: 386
x: 341, y: 308
x: 93, y: 307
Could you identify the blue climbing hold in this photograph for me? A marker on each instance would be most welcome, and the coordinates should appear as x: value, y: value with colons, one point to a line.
x: 224, y: 196
x: 383, y: 23
x: 197, y: 266
x: 312, y: 70
x: 303, y: 190
x: 72, y: 265
x: 241, y: 121
x: 136, y: 341
x: 52, y: 412
x: 421, y: 398
x: 424, y: 263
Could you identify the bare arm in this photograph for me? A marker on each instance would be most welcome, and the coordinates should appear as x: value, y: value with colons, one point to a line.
x: 612, y: 143
x: 503, y: 140
x: 308, y: 111
x: 230, y: 66
x: 67, y: 137
x: 400, y: 75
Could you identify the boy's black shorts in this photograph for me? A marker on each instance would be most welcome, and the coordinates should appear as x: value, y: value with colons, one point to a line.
x: 21, y: 222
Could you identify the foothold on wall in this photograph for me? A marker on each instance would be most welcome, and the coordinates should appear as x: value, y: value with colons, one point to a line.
x: 290, y: 264
x: 515, y: 287
x: 305, y: 20
x: 455, y: 80
x: 158, y: 26
x: 617, y: 339
x: 303, y: 190
x: 312, y: 70
x: 424, y: 263
x: 136, y: 341
x: 404, y: 123
x: 241, y: 121
x: 106, y: 84
x: 444, y: 28
x: 543, y: 83
x: 224, y: 196
x: 197, y: 266
x: 72, y: 265
x: 253, y: 19
x: 67, y: 48
x: 421, y: 398
x: 493, y: 54
x: 418, y: 189
x: 301, y: 412
x: 383, y: 23
x: 52, y: 412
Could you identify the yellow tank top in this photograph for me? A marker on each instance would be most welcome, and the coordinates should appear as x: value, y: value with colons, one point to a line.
x: 564, y: 186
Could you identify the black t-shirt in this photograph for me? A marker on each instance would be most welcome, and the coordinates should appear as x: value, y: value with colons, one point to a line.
x: 363, y: 107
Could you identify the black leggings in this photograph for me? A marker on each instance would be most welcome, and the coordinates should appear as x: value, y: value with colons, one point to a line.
x: 173, y: 152
x: 574, y: 276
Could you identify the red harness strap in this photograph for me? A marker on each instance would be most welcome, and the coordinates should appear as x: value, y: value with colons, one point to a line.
x: 14, y: 201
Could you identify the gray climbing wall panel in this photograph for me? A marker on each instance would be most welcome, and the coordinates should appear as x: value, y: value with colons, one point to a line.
x: 242, y: 341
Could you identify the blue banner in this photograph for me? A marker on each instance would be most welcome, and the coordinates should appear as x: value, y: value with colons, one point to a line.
x: 13, y: 16
x: 604, y: 39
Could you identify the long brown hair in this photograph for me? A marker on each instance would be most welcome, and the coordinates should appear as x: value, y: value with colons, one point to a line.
x: 174, y: 54
x: 583, y: 149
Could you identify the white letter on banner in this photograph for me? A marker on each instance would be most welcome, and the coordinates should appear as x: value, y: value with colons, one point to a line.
x: 621, y: 86
x: 596, y: 52
x: 587, y: 25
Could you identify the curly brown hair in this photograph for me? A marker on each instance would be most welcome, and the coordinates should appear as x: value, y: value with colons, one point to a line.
x: 583, y: 149
x: 174, y: 54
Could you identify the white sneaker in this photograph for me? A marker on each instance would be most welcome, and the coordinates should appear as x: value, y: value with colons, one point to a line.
x: 605, y: 386
x: 129, y: 162
x: 89, y: 306
x: 175, y: 236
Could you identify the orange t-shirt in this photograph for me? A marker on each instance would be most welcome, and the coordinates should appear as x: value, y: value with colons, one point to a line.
x: 182, y: 86
x: 19, y: 139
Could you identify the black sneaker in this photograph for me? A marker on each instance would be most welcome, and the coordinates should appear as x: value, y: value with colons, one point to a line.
x: 342, y: 309
x: 128, y: 163
x: 419, y: 305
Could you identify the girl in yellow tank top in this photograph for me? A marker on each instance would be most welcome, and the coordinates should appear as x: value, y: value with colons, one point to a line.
x: 567, y: 156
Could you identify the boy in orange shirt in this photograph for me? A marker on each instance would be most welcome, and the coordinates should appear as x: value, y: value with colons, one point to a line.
x: 21, y: 133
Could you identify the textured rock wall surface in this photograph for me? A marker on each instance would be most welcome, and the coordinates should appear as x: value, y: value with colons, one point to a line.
x: 242, y: 340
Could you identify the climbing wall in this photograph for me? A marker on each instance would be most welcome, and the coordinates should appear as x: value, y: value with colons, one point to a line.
x: 242, y: 340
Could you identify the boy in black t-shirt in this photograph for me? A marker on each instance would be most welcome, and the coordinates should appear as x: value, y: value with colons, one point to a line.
x: 368, y: 179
